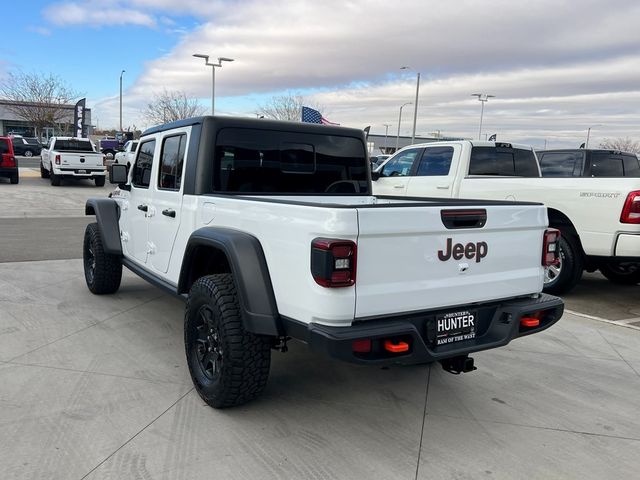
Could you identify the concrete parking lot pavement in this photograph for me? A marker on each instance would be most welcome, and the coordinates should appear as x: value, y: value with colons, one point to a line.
x: 97, y: 387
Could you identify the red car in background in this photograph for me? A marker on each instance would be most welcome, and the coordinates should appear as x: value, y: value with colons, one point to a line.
x: 8, y: 165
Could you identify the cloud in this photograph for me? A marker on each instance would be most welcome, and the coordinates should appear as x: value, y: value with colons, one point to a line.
x: 97, y: 13
x: 549, y: 72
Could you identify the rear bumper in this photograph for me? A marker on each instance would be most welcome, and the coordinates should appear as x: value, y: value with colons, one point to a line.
x: 498, y: 324
x: 77, y: 172
x: 628, y: 245
x: 8, y: 171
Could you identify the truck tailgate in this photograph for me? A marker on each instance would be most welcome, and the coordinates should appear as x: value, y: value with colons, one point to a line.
x: 408, y: 260
x: 80, y: 160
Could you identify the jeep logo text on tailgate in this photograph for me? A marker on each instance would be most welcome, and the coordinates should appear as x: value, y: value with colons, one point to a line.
x: 470, y: 250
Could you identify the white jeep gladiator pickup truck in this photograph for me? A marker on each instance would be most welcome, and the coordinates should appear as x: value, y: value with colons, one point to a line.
x: 269, y: 231
x: 69, y: 157
x: 598, y: 216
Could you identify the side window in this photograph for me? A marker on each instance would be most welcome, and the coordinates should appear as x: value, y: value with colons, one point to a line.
x: 526, y: 164
x: 142, y: 168
x: 435, y: 161
x: 400, y: 165
x: 631, y: 166
x: 171, y: 160
x: 565, y: 164
x: 606, y: 165
x: 491, y: 161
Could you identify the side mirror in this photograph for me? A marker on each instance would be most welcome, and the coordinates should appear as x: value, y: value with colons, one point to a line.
x: 375, y: 176
x: 118, y: 174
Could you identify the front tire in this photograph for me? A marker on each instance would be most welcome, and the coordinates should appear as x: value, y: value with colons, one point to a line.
x: 28, y: 153
x: 228, y: 365
x: 564, y: 277
x: 622, y: 273
x: 100, y: 181
x: 102, y: 271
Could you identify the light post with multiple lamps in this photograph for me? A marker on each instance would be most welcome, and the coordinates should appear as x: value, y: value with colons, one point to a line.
x: 121, y: 73
x: 415, y: 108
x: 213, y: 74
x: 386, y: 133
x: 483, y: 98
x: 400, y: 120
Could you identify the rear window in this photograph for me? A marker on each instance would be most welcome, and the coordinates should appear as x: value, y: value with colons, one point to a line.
x: 561, y: 164
x: 608, y: 164
x: 4, y: 146
x: 73, y: 146
x: 262, y: 161
x: 500, y: 161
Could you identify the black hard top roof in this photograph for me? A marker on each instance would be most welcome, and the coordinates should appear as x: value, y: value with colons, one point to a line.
x: 260, y: 123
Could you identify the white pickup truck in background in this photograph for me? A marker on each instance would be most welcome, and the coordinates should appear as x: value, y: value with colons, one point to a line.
x: 599, y: 217
x: 126, y: 156
x: 269, y: 231
x: 69, y: 157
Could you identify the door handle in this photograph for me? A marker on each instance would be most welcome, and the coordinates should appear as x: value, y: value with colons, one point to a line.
x: 169, y: 212
x: 398, y: 186
x: 143, y: 208
x: 442, y: 187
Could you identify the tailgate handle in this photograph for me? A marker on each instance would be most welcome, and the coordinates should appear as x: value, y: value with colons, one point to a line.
x: 453, y: 219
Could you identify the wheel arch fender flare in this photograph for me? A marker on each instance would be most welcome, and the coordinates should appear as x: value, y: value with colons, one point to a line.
x: 247, y: 263
x: 559, y: 220
x: 107, y: 214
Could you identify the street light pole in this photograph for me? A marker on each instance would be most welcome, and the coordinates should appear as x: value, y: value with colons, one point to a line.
x: 399, y: 120
x: 586, y: 145
x: 483, y: 98
x: 386, y: 132
x: 415, y: 105
x: 213, y: 74
x: 121, y: 73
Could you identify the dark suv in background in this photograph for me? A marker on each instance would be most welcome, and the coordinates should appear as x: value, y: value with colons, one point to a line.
x: 588, y: 163
x: 26, y: 146
x: 8, y: 165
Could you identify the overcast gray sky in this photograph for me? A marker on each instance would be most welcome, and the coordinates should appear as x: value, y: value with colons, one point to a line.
x: 555, y: 67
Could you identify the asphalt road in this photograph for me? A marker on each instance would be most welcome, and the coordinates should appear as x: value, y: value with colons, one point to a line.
x: 33, y: 162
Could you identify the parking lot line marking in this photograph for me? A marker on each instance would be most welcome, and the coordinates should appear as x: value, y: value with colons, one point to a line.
x: 621, y: 323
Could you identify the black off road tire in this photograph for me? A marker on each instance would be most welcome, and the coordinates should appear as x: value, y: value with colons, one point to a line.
x: 44, y: 173
x: 100, y: 181
x: 55, y: 179
x: 102, y: 271
x: 571, y: 267
x: 228, y: 365
x: 622, y: 273
x: 15, y: 178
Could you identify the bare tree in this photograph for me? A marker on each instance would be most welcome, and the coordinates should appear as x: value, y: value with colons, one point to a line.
x: 286, y: 107
x: 172, y: 105
x: 622, y: 144
x: 40, y: 99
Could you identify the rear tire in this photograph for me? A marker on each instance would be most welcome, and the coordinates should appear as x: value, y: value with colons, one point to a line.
x: 564, y: 277
x: 28, y: 153
x: 102, y: 271
x: 44, y: 173
x: 55, y: 179
x: 622, y: 273
x: 100, y: 181
x: 15, y: 178
x: 228, y: 365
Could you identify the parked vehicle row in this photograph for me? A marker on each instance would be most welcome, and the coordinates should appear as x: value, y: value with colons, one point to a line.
x: 8, y: 165
x: 592, y: 197
x: 26, y: 146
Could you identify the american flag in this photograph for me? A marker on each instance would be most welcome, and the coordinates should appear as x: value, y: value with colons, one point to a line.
x: 309, y: 115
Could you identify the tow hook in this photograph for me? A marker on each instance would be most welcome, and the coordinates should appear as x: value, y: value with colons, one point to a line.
x: 457, y: 365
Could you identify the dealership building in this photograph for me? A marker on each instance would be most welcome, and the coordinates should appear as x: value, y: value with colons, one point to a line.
x: 380, y: 144
x: 10, y: 123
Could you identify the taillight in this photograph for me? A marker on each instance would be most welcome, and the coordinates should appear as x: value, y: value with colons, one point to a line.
x: 333, y: 262
x: 57, y: 159
x: 551, y: 247
x: 8, y: 160
x: 631, y: 209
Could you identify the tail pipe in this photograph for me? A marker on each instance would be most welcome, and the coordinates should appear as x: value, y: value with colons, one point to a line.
x: 458, y: 365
